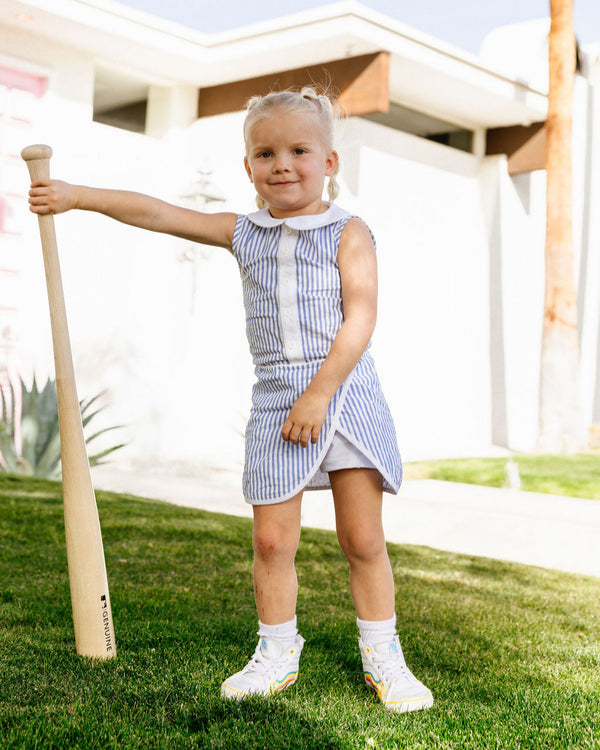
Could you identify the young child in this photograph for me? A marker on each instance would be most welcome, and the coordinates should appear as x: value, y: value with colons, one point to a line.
x: 319, y: 418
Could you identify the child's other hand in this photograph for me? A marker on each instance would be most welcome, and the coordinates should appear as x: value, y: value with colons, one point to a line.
x: 51, y: 197
x: 305, y: 419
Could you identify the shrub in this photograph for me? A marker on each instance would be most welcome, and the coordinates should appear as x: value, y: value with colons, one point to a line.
x: 36, y: 450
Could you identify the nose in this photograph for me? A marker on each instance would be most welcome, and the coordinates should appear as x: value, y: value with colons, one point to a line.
x: 281, y: 163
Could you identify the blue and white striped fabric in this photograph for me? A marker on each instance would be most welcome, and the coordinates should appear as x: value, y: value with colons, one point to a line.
x: 293, y: 301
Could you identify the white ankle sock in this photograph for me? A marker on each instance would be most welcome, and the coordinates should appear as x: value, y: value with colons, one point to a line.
x: 286, y: 632
x: 373, y: 632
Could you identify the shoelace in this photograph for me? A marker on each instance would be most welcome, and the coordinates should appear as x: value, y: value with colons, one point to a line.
x: 260, y: 663
x: 395, y: 669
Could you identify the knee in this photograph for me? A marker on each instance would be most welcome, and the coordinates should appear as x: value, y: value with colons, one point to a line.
x: 362, y: 545
x: 274, y: 543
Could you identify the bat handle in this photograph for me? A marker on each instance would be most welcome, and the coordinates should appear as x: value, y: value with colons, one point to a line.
x: 37, y: 158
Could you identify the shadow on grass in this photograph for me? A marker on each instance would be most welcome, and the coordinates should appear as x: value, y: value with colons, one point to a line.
x: 266, y: 724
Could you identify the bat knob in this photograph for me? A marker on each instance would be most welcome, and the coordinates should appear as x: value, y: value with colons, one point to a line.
x: 38, y: 151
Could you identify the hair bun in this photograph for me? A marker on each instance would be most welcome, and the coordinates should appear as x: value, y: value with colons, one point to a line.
x: 308, y: 92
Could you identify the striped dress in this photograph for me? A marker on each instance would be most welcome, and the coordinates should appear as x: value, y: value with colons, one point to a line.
x: 293, y: 301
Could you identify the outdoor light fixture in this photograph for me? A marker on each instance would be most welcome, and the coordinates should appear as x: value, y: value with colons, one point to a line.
x: 202, y: 191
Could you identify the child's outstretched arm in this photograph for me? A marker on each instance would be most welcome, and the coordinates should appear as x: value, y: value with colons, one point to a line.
x: 358, y: 270
x: 55, y: 196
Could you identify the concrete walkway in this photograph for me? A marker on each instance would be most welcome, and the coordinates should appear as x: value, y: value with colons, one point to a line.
x: 536, y: 529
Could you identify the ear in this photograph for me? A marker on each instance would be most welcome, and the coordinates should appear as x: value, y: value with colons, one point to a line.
x: 248, y: 170
x: 331, y: 163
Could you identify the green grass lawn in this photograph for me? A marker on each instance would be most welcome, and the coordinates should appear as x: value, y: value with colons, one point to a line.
x: 510, y: 652
x: 577, y: 475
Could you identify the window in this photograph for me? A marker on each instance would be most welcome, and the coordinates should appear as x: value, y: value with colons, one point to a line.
x: 120, y: 99
x: 417, y: 123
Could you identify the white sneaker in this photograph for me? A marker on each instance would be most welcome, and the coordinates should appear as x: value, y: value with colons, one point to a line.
x: 272, y: 668
x: 386, y: 672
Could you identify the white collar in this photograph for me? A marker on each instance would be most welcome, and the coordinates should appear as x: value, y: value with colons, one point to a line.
x: 334, y: 213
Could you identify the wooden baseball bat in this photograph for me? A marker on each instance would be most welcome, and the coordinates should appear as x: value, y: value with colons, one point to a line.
x: 92, y: 616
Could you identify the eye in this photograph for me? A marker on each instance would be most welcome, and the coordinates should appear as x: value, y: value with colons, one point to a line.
x: 265, y: 154
x: 299, y: 151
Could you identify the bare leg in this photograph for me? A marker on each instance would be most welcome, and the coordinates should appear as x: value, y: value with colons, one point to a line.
x: 275, y: 538
x: 274, y: 665
x: 357, y: 495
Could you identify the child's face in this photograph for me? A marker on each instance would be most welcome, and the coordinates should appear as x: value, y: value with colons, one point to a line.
x: 288, y: 161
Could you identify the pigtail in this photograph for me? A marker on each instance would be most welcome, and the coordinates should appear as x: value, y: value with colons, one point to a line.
x: 333, y: 188
x: 323, y: 102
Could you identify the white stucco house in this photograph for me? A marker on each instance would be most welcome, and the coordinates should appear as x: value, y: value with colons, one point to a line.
x: 440, y: 153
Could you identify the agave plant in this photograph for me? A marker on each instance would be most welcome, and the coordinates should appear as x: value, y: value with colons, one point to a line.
x: 39, y: 451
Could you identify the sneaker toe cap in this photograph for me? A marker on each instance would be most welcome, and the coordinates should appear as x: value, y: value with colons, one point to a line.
x: 413, y: 699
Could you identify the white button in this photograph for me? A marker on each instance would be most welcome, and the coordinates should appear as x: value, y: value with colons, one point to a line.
x: 289, y: 230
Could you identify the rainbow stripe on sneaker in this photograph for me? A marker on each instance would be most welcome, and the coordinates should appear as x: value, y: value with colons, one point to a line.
x: 274, y: 687
x: 377, y: 686
x: 288, y: 680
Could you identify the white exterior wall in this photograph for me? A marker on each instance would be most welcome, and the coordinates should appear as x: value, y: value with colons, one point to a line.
x: 461, y: 263
x: 586, y: 219
x: 515, y: 216
x: 173, y: 357
x: 432, y: 340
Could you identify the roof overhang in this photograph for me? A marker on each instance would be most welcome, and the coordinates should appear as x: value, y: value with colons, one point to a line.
x: 425, y: 74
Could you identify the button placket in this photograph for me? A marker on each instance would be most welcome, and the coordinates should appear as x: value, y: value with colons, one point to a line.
x: 288, y: 297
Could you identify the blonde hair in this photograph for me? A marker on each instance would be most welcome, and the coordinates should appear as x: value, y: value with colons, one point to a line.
x: 305, y: 100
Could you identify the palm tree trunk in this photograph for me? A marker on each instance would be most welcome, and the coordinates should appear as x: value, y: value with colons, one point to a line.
x: 562, y: 427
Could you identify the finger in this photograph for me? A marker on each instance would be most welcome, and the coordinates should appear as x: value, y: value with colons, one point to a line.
x: 315, y: 434
x: 36, y: 195
x: 42, y: 182
x: 295, y: 434
x: 304, y: 437
x: 286, y: 429
x: 39, y: 207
